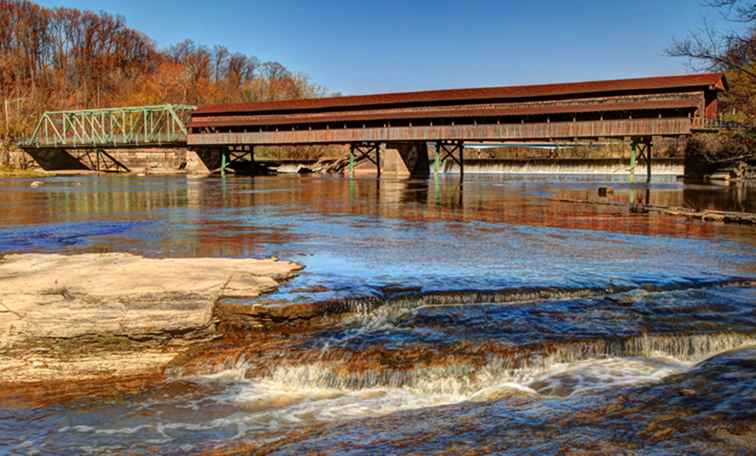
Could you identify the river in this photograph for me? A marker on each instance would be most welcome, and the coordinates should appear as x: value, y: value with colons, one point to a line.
x: 493, y: 317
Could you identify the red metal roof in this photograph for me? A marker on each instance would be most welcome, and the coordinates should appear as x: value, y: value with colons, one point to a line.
x: 495, y: 111
x: 707, y: 81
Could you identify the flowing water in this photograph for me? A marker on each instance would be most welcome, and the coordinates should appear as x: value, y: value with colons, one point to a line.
x: 493, y: 317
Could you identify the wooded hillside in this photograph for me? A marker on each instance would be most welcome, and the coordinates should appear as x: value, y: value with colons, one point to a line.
x: 67, y: 58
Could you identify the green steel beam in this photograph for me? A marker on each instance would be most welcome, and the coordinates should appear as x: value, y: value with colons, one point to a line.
x: 112, y: 127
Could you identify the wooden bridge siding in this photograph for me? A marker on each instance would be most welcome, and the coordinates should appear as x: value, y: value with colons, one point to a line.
x: 495, y: 132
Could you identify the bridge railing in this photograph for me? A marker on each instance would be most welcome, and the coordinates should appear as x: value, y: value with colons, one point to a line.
x: 137, y: 126
x: 720, y: 124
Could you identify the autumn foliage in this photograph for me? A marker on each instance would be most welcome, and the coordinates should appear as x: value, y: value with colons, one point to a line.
x: 67, y: 58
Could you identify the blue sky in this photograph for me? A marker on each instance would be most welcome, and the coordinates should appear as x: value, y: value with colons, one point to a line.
x: 383, y: 46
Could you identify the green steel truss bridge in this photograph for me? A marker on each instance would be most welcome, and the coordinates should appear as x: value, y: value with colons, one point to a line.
x: 112, y: 128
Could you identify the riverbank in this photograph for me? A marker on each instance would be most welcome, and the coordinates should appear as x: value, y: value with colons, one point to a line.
x: 97, y: 317
x: 20, y: 172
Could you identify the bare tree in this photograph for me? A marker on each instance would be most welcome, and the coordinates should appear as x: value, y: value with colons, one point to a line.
x: 735, y: 10
x: 220, y: 61
x: 732, y: 50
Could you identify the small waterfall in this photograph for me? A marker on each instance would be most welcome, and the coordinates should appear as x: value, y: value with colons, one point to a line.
x: 666, y: 167
x: 693, y: 349
x: 521, y: 367
x: 373, y: 312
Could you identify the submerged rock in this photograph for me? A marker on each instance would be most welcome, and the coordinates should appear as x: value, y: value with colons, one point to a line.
x: 604, y: 191
x: 92, y: 314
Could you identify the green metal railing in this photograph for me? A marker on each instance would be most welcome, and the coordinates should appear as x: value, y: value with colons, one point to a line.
x: 112, y: 127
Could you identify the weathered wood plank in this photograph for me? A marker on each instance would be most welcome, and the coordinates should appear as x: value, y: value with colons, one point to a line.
x: 481, y: 132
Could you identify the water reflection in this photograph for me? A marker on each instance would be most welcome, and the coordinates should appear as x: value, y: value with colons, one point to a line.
x: 201, y: 216
x: 740, y: 197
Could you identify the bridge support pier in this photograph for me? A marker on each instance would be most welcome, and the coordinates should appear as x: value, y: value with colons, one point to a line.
x: 437, y: 161
x: 447, y: 149
x: 224, y: 163
x: 241, y: 159
x: 643, y: 146
x: 101, y: 161
x: 361, y: 151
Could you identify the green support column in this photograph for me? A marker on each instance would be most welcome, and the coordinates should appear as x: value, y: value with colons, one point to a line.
x: 461, y: 161
x: 351, y: 161
x: 633, y: 158
x: 648, y: 160
x: 437, y: 160
x: 633, y: 147
x: 224, y: 163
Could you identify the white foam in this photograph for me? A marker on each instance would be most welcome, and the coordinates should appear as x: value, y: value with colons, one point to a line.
x: 293, y: 396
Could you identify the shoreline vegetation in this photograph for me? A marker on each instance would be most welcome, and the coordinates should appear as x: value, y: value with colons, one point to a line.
x: 47, y: 64
x: 6, y: 171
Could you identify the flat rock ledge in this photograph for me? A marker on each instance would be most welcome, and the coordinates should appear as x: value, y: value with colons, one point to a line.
x: 103, y: 315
